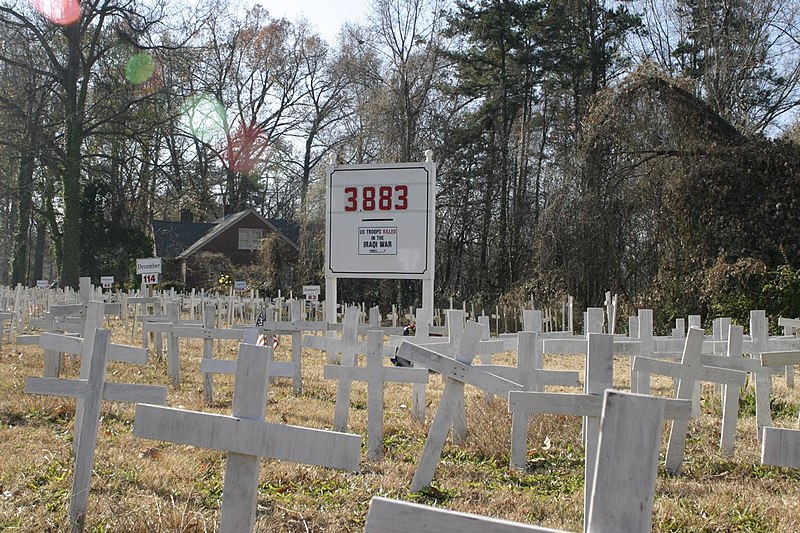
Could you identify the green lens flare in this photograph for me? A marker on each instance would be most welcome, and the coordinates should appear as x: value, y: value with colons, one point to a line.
x: 140, y: 68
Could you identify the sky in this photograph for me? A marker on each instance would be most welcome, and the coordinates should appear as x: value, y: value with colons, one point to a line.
x: 326, y: 16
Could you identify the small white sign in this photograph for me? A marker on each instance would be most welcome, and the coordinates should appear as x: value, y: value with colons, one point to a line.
x: 148, y: 265
x: 149, y: 279
x: 377, y: 241
x: 240, y: 285
x: 42, y: 283
x: 311, y: 292
x: 107, y: 281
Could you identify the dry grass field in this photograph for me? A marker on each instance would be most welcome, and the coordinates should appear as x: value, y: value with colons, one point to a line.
x: 144, y: 485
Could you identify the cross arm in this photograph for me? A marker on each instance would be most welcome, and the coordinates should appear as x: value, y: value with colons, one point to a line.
x: 702, y: 372
x: 70, y: 388
x: 133, y: 393
x: 780, y: 358
x: 273, y: 326
x: 393, y: 516
x: 279, y: 369
x: 248, y: 437
x: 457, y: 370
x: 555, y: 403
x: 192, y: 332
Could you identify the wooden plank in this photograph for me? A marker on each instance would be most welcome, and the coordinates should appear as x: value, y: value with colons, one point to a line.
x: 783, y: 358
x: 780, y: 447
x: 61, y: 343
x: 133, y: 393
x: 70, y: 388
x: 127, y: 354
x: 550, y: 402
x: 280, y: 369
x: 457, y: 370
x: 249, y: 437
x: 627, y: 463
x: 393, y: 516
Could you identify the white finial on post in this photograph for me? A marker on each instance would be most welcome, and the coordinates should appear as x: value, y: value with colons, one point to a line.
x: 429, y: 156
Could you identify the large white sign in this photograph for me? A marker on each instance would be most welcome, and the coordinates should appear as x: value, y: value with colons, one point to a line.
x: 148, y: 265
x: 380, y: 221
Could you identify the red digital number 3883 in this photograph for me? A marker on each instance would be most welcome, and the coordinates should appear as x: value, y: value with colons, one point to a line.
x: 383, y: 198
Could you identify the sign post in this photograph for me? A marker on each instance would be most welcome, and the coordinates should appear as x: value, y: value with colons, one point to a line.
x: 380, y: 224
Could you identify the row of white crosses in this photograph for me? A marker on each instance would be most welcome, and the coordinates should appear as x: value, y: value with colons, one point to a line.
x: 245, y: 434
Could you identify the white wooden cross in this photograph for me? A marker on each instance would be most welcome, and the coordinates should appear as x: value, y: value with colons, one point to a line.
x: 376, y: 375
x: 752, y: 365
x: 626, y: 467
x: 247, y: 437
x: 294, y: 327
x: 456, y: 372
x: 349, y: 346
x: 779, y: 446
x: 688, y: 371
x: 208, y: 333
x: 275, y: 369
x: 530, y: 373
x: 90, y: 390
x: 760, y: 341
x: 599, y: 378
x: 55, y: 343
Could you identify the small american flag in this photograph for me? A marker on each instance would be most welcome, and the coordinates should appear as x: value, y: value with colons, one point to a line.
x: 262, y: 339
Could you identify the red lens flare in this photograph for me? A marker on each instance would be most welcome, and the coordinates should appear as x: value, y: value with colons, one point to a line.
x: 61, y: 12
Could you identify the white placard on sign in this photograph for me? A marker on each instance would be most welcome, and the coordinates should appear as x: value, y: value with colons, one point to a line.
x: 148, y: 265
x: 240, y: 285
x: 42, y: 283
x: 107, y: 281
x: 149, y: 279
x: 383, y: 220
x: 377, y: 241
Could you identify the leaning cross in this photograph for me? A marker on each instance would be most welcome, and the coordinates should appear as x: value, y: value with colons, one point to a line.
x: 456, y: 373
x: 247, y: 437
x: 376, y: 375
x: 90, y: 390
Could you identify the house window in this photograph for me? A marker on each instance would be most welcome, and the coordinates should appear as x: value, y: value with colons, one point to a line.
x: 250, y: 239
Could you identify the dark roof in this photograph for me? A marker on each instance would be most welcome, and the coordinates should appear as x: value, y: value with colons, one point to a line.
x: 172, y: 238
x: 290, y: 228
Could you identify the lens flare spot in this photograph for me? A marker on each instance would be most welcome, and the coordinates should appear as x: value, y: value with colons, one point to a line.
x: 204, y: 116
x: 61, y: 12
x: 140, y: 68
